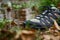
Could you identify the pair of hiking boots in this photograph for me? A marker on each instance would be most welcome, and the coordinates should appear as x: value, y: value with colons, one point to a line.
x: 44, y: 20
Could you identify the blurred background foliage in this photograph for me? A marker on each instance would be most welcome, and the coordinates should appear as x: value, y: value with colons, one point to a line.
x: 38, y: 3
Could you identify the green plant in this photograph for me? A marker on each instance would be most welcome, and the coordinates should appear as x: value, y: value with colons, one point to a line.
x: 3, y: 22
x: 27, y: 25
x: 58, y: 21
